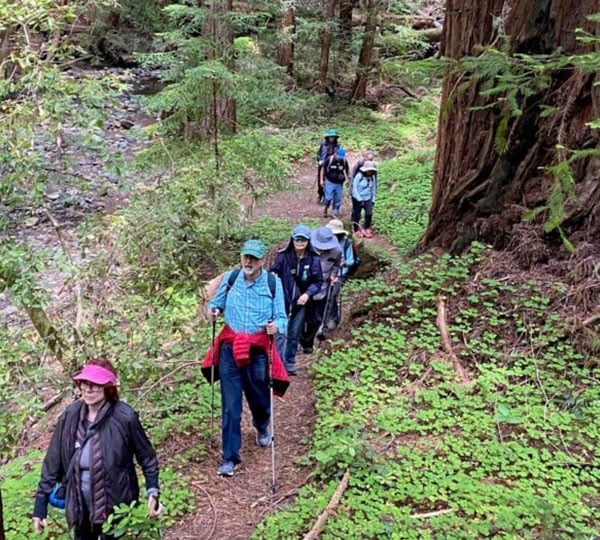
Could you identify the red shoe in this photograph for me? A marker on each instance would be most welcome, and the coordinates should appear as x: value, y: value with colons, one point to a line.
x: 368, y: 233
x: 358, y: 234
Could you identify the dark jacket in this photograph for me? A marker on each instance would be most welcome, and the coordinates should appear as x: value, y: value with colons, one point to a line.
x: 120, y: 436
x: 326, y: 149
x: 298, y: 276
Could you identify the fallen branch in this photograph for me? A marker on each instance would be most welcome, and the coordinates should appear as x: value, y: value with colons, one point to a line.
x: 426, y: 515
x: 590, y: 320
x: 53, y: 401
x: 440, y: 322
x: 314, y: 533
x: 214, y: 509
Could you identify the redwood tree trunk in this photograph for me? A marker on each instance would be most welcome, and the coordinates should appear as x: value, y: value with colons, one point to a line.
x: 326, y: 44
x: 345, y: 39
x: 481, y: 191
x: 286, y: 30
x: 217, y: 28
x: 365, y: 59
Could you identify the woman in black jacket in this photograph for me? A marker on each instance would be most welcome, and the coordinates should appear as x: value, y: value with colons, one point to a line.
x: 92, y: 451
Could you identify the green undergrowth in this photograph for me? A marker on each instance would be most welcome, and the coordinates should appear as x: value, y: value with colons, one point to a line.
x: 513, y: 454
x: 20, y: 478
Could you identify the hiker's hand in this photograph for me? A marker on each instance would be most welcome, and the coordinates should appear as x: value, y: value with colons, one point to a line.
x: 39, y: 525
x: 155, y: 509
x: 214, y: 314
x: 334, y: 279
x: 271, y: 328
x: 303, y: 299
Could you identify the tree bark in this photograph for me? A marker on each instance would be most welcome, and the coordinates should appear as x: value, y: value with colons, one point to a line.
x: 365, y: 59
x: 219, y: 46
x: 326, y: 44
x: 479, y: 191
x: 345, y: 33
x: 286, y: 30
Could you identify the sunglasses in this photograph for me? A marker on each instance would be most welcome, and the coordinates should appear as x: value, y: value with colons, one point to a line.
x: 299, y: 239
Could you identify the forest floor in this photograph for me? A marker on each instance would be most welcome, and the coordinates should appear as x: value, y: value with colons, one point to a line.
x: 230, y: 508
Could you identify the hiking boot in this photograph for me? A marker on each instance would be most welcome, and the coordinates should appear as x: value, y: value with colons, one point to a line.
x: 368, y: 233
x: 263, y: 438
x: 226, y: 468
x: 307, y: 350
x: 324, y: 212
x: 291, y: 370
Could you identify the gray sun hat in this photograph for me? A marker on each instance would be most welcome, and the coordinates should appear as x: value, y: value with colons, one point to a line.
x: 337, y: 227
x: 301, y: 231
x: 323, y: 238
x: 369, y: 166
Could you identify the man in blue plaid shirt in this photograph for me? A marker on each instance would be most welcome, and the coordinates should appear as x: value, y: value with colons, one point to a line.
x: 253, y: 316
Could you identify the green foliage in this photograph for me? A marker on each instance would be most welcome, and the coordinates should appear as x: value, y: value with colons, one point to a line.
x: 19, y: 480
x: 512, y: 455
x: 36, y: 93
x: 169, y: 228
x: 132, y: 522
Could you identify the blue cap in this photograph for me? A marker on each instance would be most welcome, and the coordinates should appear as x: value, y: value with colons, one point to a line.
x: 301, y: 231
x: 341, y: 153
x: 331, y: 133
x: 254, y: 248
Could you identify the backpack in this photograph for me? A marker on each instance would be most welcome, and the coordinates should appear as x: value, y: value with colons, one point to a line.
x: 270, y: 278
x: 357, y: 260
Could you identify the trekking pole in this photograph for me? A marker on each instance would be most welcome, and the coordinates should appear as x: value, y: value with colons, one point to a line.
x: 321, y: 330
x: 272, y: 420
x: 212, y: 383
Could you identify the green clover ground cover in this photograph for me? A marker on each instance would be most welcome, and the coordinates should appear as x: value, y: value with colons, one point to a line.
x: 512, y: 455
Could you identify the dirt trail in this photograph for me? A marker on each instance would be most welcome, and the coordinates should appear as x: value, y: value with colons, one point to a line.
x: 230, y: 508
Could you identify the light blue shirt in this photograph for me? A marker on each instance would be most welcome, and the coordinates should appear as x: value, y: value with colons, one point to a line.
x: 364, y: 188
x: 247, y: 307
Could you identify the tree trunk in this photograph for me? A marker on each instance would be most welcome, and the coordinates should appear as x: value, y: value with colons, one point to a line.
x: 345, y: 34
x: 286, y: 31
x: 219, y: 46
x: 326, y: 44
x: 365, y: 59
x: 481, y: 189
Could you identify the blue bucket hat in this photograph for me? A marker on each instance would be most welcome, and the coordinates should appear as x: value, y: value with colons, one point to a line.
x: 323, y: 239
x: 254, y: 248
x: 301, y: 231
x: 331, y: 133
x: 341, y: 153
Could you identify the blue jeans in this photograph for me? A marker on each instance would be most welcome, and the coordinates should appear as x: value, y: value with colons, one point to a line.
x: 295, y: 324
x: 333, y: 192
x: 252, y: 381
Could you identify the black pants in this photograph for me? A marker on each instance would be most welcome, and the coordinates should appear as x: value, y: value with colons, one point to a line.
x: 314, y: 317
x: 88, y: 531
x: 357, y: 207
x: 320, y: 189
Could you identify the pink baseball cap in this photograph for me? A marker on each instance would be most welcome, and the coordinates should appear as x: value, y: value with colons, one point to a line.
x: 96, y: 374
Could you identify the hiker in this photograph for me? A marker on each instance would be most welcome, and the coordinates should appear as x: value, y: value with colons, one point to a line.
x: 329, y: 146
x: 243, y: 350
x: 336, y: 173
x: 368, y: 155
x: 298, y: 266
x: 364, y: 188
x: 349, y: 264
x: 91, y: 453
x: 331, y: 260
